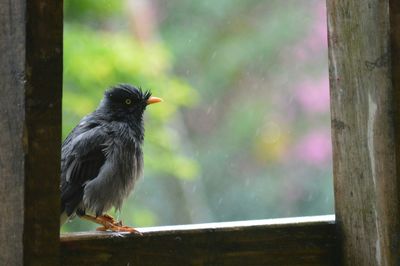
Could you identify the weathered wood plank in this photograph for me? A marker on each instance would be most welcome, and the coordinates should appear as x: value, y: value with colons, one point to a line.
x: 30, y: 131
x: 304, y: 241
x: 12, y: 64
x: 364, y: 100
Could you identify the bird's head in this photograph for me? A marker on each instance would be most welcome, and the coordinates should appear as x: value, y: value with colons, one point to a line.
x: 125, y: 102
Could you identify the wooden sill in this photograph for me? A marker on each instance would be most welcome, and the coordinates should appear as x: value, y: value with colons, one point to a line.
x: 286, y: 241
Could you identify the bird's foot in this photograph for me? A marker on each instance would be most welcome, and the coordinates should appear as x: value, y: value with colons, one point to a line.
x: 110, y: 224
x: 118, y: 228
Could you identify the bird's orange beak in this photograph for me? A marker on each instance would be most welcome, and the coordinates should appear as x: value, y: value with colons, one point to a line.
x: 152, y: 100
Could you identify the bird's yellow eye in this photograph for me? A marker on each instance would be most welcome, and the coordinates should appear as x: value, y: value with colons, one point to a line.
x: 128, y: 101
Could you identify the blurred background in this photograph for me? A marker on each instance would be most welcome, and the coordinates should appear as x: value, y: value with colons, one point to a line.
x: 244, y: 129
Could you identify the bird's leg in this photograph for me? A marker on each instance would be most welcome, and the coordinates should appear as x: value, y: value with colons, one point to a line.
x: 109, y: 223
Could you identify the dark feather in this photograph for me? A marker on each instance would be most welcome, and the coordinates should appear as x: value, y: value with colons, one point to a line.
x: 83, y: 169
x: 83, y: 162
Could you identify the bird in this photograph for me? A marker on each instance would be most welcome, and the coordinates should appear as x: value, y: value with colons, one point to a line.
x: 102, y: 157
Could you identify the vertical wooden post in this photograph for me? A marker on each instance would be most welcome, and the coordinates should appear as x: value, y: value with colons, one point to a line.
x: 364, y: 100
x: 30, y: 130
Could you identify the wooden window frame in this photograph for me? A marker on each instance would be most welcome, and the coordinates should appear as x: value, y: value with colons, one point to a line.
x: 364, y: 67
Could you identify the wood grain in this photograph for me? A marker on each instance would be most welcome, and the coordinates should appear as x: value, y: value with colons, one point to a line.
x: 266, y: 242
x: 12, y: 61
x: 30, y: 131
x: 365, y: 142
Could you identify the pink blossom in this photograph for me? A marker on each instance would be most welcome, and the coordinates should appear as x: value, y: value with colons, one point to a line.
x: 313, y: 96
x: 315, y: 148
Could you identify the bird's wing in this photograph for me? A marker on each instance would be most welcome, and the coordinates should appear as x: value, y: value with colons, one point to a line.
x: 82, y: 163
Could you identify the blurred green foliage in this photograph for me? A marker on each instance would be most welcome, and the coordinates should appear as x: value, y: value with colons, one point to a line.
x: 227, y: 142
x: 92, y: 10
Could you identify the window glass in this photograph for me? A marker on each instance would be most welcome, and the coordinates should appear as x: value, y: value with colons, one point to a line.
x: 244, y: 129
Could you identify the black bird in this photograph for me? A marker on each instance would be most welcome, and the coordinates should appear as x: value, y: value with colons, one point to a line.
x: 102, y: 157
